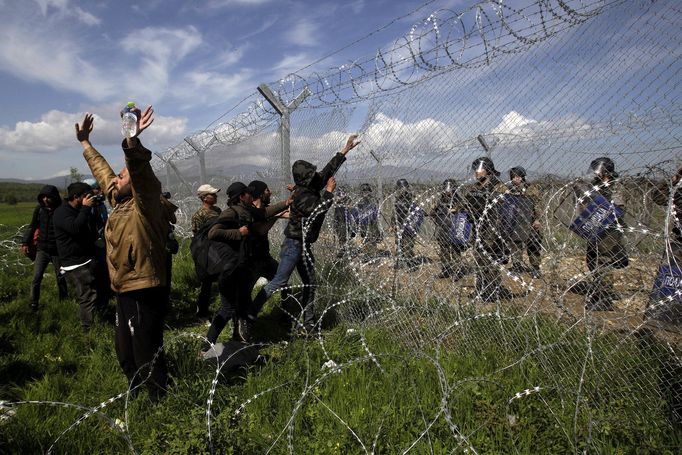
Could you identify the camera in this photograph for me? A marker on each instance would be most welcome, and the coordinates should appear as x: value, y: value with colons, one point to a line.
x: 98, y: 198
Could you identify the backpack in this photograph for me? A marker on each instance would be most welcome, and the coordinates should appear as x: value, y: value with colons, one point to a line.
x: 211, y: 258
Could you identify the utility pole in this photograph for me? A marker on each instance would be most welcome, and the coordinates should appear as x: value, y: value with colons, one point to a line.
x: 284, y: 112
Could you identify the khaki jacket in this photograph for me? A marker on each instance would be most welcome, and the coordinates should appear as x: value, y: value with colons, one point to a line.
x: 137, y: 229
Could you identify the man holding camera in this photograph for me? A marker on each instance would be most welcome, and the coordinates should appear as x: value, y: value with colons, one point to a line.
x: 76, y: 236
x: 136, y: 234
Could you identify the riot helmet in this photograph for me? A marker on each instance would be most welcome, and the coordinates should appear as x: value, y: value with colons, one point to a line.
x: 603, y: 166
x: 517, y: 171
x: 402, y: 184
x: 484, y: 164
x: 449, y: 185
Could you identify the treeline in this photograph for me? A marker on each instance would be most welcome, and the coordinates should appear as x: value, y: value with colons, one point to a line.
x: 13, y: 192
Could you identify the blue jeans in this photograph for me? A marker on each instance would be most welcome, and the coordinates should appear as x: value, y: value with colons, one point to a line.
x: 292, y: 257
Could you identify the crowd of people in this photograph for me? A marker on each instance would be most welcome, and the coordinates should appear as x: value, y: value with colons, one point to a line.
x: 126, y: 251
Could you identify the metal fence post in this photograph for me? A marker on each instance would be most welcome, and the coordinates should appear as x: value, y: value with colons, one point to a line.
x: 285, y: 124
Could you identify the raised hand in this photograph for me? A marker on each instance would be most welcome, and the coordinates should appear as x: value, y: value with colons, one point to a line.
x: 83, y: 130
x: 351, y: 143
x: 146, y: 118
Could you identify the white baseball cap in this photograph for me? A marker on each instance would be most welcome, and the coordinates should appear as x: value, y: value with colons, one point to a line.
x: 205, y: 189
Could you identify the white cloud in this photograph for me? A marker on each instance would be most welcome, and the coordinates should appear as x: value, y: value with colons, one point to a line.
x: 160, y: 50
x: 514, y: 123
x: 291, y: 63
x: 64, y: 9
x: 86, y: 18
x: 303, y: 33
x: 230, y: 57
x: 50, y: 59
x: 266, y: 25
x: 213, y: 87
x: 357, y: 6
x: 55, y: 131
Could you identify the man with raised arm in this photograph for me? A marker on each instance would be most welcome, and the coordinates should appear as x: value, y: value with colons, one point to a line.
x: 307, y: 212
x: 136, y: 235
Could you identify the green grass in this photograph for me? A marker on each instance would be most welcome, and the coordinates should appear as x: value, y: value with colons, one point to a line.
x: 16, y: 215
x: 460, y: 389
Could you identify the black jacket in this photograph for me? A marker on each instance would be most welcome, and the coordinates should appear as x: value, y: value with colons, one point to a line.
x: 42, y: 219
x: 75, y: 234
x: 308, y: 200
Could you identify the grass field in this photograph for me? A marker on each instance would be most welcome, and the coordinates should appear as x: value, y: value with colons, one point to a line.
x: 500, y: 384
x: 16, y: 215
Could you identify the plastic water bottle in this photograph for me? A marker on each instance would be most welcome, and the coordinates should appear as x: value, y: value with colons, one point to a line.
x: 129, y: 121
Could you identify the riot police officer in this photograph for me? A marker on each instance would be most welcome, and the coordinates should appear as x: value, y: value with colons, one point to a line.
x: 489, y: 248
x: 368, y: 219
x: 343, y: 220
x: 449, y: 250
x: 605, y: 251
x: 404, y: 222
x: 666, y: 312
x: 523, y: 225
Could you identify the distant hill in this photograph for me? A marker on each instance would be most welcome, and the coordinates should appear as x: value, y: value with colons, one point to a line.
x: 19, y: 192
x: 60, y: 182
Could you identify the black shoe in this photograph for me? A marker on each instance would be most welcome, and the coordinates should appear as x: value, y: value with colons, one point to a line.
x: 445, y: 273
x: 306, y: 330
x: 599, y: 305
x: 244, y: 330
x: 517, y: 269
x: 458, y: 275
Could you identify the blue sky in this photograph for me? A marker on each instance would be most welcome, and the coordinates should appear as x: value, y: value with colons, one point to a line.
x: 192, y: 60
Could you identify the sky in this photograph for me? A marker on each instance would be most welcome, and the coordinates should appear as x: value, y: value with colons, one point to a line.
x: 192, y: 60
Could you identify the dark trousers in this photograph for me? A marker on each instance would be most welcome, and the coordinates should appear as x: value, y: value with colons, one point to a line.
x: 488, y: 277
x: 533, y: 247
x: 139, y: 336
x: 292, y: 257
x: 84, y: 282
x: 204, y: 298
x: 232, y: 287
x: 405, y: 244
x: 43, y: 258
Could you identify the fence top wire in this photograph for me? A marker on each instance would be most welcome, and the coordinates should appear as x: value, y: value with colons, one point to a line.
x: 442, y: 42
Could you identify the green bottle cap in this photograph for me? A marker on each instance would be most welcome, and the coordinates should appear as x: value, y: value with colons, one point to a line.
x: 131, y: 104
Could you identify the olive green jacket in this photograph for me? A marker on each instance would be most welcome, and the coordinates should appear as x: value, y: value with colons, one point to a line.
x: 138, y: 227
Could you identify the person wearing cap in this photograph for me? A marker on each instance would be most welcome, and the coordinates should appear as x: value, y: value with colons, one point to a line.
x: 607, y: 252
x: 136, y: 234
x: 76, y: 235
x: 489, y: 250
x: 403, y: 217
x: 49, y: 200
x: 524, y: 231
x: 234, y: 230
x: 208, y: 210
x: 307, y: 213
x: 449, y: 253
x: 368, y: 219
